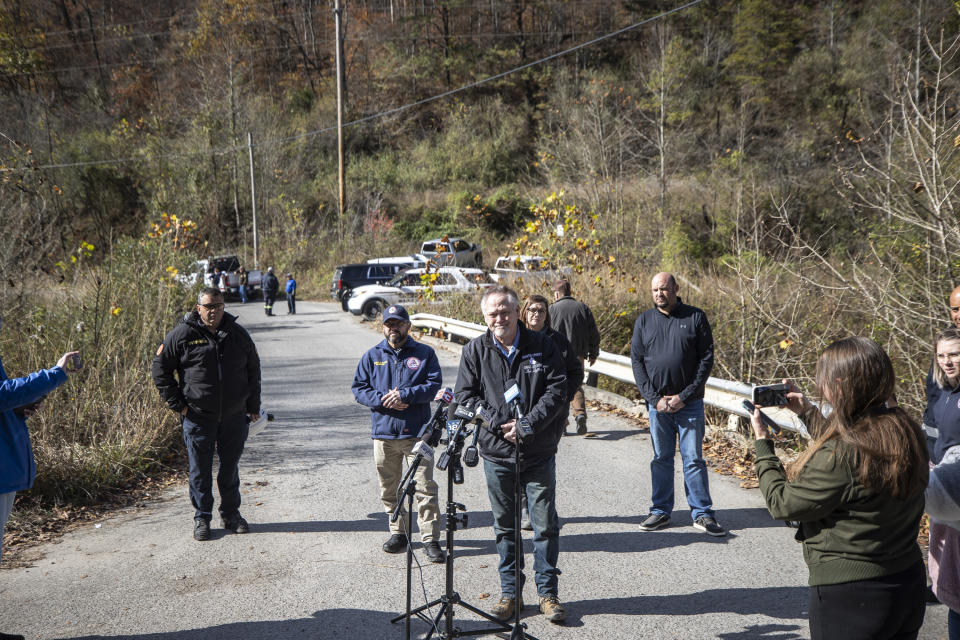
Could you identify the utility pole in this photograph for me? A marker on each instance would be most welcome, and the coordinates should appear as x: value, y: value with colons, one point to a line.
x: 253, y: 199
x: 337, y: 14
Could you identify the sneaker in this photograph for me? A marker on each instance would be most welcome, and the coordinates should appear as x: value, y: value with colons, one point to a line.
x: 525, y: 523
x: 397, y: 543
x: 550, y: 607
x: 503, y: 610
x: 434, y: 552
x: 236, y: 523
x: 581, y: 424
x: 655, y: 521
x: 708, y: 524
x: 201, y: 529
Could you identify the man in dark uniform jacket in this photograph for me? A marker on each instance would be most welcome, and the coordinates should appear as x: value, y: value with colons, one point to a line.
x: 505, y: 352
x: 216, y: 391
x: 269, y: 286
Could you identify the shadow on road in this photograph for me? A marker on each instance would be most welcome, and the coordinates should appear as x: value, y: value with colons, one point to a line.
x: 774, y: 602
x: 609, y: 436
x: 765, y: 632
x: 332, y: 624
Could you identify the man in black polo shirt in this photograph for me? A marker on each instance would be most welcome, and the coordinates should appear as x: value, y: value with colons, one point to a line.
x: 672, y: 355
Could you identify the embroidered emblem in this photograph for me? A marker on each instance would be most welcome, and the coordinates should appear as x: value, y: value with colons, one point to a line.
x: 412, y: 363
x: 160, y: 349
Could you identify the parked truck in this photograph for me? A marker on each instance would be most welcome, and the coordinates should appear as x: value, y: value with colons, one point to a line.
x: 229, y: 276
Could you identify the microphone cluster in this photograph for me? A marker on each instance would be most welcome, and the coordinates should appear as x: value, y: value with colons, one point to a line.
x: 459, y: 421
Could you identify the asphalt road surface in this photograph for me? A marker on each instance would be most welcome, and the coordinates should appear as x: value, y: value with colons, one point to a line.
x: 312, y: 566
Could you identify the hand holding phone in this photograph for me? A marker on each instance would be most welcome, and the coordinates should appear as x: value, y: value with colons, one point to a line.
x: 767, y: 420
x: 70, y: 362
x: 771, y: 395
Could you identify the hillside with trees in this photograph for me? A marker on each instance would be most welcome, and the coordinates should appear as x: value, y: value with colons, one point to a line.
x: 797, y: 163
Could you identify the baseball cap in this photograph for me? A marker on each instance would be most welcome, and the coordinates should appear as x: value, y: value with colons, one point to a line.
x: 395, y: 312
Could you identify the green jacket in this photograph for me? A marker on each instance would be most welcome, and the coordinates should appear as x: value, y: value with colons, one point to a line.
x: 848, y: 533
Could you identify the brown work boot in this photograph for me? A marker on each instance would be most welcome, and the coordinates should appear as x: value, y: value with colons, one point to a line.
x: 503, y: 610
x: 551, y: 608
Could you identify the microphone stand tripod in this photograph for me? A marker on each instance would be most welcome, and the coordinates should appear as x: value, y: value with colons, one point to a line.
x: 407, y: 489
x: 450, y: 597
x: 519, y: 629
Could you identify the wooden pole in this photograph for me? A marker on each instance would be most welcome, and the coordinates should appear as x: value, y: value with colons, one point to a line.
x: 253, y: 199
x: 337, y: 13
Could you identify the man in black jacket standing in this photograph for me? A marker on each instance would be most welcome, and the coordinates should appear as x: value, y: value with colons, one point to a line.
x: 269, y: 285
x: 574, y: 319
x: 505, y: 352
x: 672, y: 355
x: 216, y: 391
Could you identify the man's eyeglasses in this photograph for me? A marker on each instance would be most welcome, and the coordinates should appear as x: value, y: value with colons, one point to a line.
x: 212, y: 306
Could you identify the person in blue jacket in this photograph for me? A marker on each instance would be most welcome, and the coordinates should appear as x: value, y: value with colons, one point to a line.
x: 291, y: 294
x: 18, y: 398
x: 397, y: 379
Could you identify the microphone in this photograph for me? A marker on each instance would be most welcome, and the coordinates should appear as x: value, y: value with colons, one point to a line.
x: 471, y: 456
x: 431, y: 432
x: 514, y: 399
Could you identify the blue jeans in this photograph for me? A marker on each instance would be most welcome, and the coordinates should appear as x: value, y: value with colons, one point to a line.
x: 688, y: 424
x: 242, y: 290
x: 227, y: 438
x: 540, y: 484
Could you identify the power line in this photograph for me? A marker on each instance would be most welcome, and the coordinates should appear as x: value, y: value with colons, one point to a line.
x: 368, y: 118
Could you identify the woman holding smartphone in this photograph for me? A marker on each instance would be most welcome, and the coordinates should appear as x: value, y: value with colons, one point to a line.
x: 858, y: 494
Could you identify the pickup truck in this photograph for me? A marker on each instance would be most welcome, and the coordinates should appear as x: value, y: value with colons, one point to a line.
x: 453, y: 252
x: 229, y: 278
x: 517, y: 267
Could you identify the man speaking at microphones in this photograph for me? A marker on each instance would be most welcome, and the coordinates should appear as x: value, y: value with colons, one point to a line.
x: 520, y: 377
x: 397, y: 379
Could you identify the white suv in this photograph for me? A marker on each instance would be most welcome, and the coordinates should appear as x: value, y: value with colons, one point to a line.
x: 407, y: 287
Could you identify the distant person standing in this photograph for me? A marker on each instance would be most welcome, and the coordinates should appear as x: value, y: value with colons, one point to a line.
x: 672, y: 355
x: 216, y: 391
x: 575, y: 320
x: 291, y: 294
x: 270, y: 286
x: 216, y: 278
x: 243, y: 278
x: 18, y: 399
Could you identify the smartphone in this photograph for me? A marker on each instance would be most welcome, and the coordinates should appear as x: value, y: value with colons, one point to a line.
x: 771, y: 395
x: 75, y: 363
x: 767, y: 420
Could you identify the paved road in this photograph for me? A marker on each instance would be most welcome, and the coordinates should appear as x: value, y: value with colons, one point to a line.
x: 312, y: 566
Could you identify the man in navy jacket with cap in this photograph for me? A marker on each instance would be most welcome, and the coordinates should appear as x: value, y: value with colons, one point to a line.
x: 397, y: 379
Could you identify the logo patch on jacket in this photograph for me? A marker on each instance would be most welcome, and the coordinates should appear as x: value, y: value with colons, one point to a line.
x: 160, y: 349
x: 413, y: 363
x: 380, y: 363
x: 200, y: 341
x: 531, y: 364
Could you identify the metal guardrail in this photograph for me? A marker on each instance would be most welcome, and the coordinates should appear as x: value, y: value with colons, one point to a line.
x: 726, y: 395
